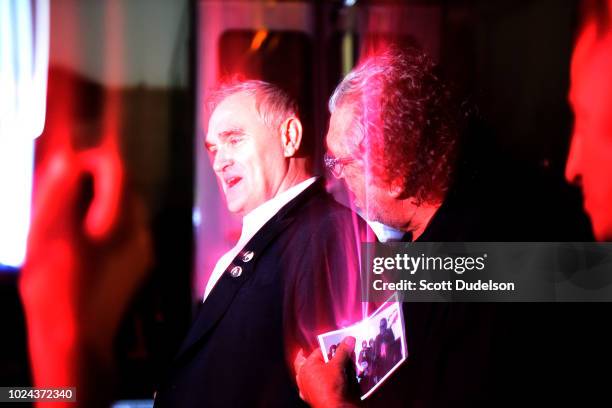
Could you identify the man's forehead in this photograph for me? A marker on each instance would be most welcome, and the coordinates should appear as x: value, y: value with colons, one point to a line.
x: 591, y: 66
x: 231, y: 113
x: 338, y: 136
x: 242, y: 102
x: 591, y: 80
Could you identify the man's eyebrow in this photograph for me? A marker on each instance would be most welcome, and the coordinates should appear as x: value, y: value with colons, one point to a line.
x: 231, y: 132
x: 224, y: 135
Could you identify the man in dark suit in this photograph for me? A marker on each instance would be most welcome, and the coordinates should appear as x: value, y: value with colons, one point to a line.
x: 393, y: 137
x: 293, y: 273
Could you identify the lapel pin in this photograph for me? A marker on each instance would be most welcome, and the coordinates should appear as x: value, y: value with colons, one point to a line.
x: 236, y: 271
x: 248, y: 256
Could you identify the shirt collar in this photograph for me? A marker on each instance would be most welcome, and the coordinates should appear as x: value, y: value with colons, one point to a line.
x: 385, y: 233
x: 254, y: 220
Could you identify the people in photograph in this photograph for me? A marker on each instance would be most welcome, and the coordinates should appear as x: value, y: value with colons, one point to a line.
x: 384, y: 350
x: 365, y: 366
x: 332, y: 351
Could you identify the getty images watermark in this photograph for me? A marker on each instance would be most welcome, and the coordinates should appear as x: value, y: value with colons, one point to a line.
x: 413, y: 264
x: 485, y: 272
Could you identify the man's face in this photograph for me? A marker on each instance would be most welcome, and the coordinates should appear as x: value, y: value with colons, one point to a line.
x: 368, y: 195
x: 383, y: 325
x: 589, y: 162
x: 246, y: 154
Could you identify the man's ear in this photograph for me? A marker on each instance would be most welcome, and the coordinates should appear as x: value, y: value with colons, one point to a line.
x: 291, y: 136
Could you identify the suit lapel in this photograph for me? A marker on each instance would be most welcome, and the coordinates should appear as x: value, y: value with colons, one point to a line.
x: 225, y: 290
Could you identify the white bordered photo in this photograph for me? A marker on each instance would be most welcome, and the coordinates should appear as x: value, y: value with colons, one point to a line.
x: 380, y: 346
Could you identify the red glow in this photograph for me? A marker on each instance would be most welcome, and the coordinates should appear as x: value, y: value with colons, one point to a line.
x: 258, y: 39
x: 589, y: 162
x: 86, y: 253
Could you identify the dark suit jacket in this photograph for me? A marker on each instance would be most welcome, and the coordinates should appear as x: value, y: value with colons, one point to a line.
x: 302, y: 280
x: 449, y: 344
x: 491, y: 354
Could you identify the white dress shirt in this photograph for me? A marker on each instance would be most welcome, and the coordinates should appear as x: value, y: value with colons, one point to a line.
x: 385, y: 233
x: 251, y: 223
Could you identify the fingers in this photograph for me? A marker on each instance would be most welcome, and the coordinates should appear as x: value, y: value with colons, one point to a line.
x: 311, y: 364
x: 313, y: 359
x: 55, y: 191
x: 106, y: 168
x: 344, y: 351
x: 316, y: 355
x: 321, y: 384
x: 299, y: 362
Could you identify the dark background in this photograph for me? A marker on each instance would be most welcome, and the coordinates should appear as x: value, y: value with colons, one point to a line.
x: 509, y: 60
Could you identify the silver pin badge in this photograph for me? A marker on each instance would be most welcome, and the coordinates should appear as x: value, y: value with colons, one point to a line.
x: 236, y: 271
x: 248, y: 256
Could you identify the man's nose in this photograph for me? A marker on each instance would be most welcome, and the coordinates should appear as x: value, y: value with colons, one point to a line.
x: 574, y: 160
x: 221, y: 161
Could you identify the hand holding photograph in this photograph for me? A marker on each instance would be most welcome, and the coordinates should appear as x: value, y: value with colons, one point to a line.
x: 380, y: 346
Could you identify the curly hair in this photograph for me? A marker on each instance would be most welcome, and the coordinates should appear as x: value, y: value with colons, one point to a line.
x: 405, y: 120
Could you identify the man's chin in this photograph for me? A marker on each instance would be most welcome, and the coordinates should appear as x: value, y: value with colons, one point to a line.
x: 235, y: 208
x: 602, y: 229
x: 600, y: 217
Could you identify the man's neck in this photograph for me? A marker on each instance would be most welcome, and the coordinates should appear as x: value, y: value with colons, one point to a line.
x: 296, y: 173
x: 256, y: 217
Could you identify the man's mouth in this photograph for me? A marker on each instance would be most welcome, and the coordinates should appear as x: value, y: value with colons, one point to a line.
x: 232, y: 181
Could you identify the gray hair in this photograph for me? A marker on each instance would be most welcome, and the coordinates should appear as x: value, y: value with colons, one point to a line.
x: 352, y: 92
x: 405, y: 116
x: 351, y: 89
x: 272, y: 103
